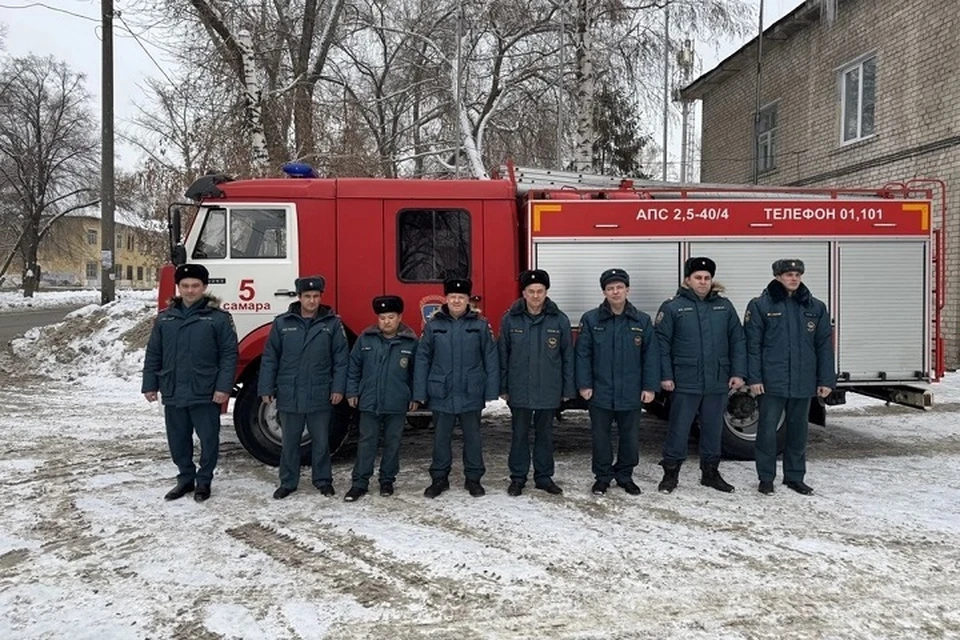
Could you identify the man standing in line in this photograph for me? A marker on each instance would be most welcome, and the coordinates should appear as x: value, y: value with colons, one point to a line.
x: 380, y: 384
x: 789, y: 361
x: 617, y: 370
x: 536, y: 375
x: 304, y: 369
x: 191, y: 360
x: 457, y: 371
x: 702, y: 356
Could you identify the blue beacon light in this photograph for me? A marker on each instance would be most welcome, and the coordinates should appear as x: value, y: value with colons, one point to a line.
x: 299, y: 170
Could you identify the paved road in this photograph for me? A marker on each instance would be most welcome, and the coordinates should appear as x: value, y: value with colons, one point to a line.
x: 15, y: 323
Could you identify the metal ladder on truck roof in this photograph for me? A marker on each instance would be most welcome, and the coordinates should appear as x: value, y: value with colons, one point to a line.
x: 527, y: 179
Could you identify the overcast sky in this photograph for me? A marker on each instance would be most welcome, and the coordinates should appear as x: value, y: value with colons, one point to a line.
x: 69, y: 30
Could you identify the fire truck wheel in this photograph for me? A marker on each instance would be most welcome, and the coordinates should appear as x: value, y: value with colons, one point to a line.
x: 258, y: 427
x: 740, y: 427
x: 419, y: 422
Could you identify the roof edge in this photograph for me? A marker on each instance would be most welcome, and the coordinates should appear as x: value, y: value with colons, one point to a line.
x: 795, y: 21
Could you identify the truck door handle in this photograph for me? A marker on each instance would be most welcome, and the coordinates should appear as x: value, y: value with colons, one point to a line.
x: 285, y: 292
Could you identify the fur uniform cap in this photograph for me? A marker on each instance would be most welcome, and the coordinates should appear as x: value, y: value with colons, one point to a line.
x: 534, y: 276
x: 692, y: 265
x: 311, y: 283
x: 457, y: 285
x: 388, y: 304
x: 614, y: 275
x: 197, y: 271
x: 787, y: 264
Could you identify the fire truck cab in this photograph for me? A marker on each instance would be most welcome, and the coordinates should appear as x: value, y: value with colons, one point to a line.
x: 872, y: 255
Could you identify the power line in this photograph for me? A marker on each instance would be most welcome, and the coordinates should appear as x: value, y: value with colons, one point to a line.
x: 137, y: 39
x: 41, y: 5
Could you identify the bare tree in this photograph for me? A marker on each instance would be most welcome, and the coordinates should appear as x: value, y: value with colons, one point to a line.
x: 428, y: 87
x: 289, y: 43
x: 48, y: 152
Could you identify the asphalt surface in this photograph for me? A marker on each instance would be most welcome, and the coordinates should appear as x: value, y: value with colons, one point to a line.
x: 16, y: 323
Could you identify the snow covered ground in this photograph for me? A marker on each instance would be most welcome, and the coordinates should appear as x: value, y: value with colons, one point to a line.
x: 14, y: 300
x: 89, y: 549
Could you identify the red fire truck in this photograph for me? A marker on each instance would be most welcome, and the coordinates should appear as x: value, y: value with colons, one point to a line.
x: 874, y: 256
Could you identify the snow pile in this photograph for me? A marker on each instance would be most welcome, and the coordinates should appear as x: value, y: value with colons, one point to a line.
x: 12, y: 300
x: 91, y: 344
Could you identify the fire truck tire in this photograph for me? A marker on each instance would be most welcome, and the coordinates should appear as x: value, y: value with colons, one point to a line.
x: 740, y: 427
x: 258, y: 427
x: 419, y: 422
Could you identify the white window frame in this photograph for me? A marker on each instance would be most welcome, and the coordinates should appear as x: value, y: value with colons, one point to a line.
x: 856, y: 65
x: 769, y: 137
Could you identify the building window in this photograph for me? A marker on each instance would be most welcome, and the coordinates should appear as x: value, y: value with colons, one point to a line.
x: 130, y: 242
x: 139, y: 274
x: 119, y: 244
x: 433, y: 245
x: 92, y: 237
x: 118, y: 271
x: 212, y: 242
x: 857, y: 94
x: 129, y: 272
x: 767, y: 138
x: 258, y: 233
x: 93, y: 270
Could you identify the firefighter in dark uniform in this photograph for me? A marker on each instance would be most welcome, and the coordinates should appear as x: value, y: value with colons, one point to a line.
x: 380, y: 385
x: 304, y: 370
x: 457, y: 371
x: 702, y: 357
x: 536, y: 374
x: 617, y: 370
x: 789, y: 361
x: 191, y: 361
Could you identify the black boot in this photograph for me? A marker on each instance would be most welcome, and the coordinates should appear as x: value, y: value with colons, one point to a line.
x: 438, y: 486
x: 474, y: 488
x: 671, y: 476
x: 182, y: 489
x: 799, y: 486
x: 710, y: 477
x: 202, y: 493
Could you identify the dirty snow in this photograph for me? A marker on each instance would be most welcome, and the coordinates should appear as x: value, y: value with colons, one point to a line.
x: 89, y: 549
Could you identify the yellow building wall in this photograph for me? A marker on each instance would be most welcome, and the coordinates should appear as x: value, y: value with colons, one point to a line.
x: 70, y: 254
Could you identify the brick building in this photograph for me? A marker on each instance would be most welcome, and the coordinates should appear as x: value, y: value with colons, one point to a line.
x: 872, y: 98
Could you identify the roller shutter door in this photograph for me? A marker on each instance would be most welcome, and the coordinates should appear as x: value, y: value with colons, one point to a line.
x: 575, y: 269
x: 882, y: 323
x: 745, y: 268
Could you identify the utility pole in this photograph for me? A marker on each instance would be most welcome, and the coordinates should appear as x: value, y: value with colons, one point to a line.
x: 666, y: 84
x: 756, y: 112
x: 107, y: 191
x: 560, y: 84
x: 685, y: 60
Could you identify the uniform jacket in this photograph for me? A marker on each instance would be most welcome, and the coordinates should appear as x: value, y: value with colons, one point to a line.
x: 191, y: 354
x: 702, y: 344
x: 381, y: 370
x: 304, y: 360
x: 536, y: 356
x: 789, y: 342
x: 617, y: 357
x: 457, y: 368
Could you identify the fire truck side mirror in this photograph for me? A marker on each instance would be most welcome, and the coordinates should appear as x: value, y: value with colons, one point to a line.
x: 178, y: 255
